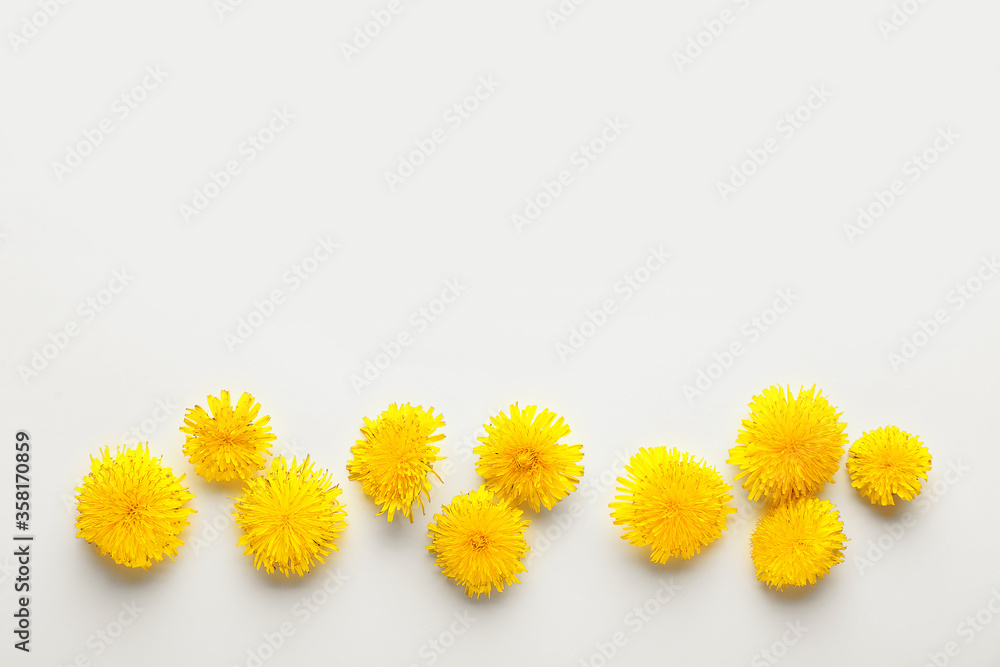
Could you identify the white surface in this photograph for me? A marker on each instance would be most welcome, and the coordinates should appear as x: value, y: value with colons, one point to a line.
x: 162, y: 337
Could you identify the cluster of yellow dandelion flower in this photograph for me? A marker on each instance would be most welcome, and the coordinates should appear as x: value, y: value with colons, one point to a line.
x: 787, y: 449
x: 290, y: 515
x: 477, y: 538
x: 131, y: 507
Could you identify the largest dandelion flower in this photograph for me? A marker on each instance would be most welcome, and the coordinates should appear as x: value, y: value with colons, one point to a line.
x: 479, y: 542
x: 132, y: 508
x: 230, y: 443
x: 790, y: 445
x: 672, y: 502
x: 797, y: 543
x: 522, y: 461
x: 396, y: 458
x: 290, y: 518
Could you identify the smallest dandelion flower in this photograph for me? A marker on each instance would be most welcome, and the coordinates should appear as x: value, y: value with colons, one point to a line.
x: 522, y: 461
x: 887, y: 462
x: 230, y: 443
x: 396, y: 458
x: 672, y: 502
x: 797, y: 542
x: 479, y: 542
x: 290, y: 518
x: 132, y: 508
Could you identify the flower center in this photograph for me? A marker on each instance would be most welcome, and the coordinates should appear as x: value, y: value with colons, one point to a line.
x: 526, y: 459
x: 792, y: 448
x: 134, y: 510
x: 480, y: 541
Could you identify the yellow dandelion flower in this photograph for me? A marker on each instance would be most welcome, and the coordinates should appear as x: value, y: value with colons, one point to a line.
x: 790, y: 446
x: 671, y: 501
x: 888, y: 461
x: 131, y: 507
x: 479, y: 542
x: 797, y: 543
x: 521, y: 460
x: 290, y: 518
x: 227, y: 444
x: 396, y: 458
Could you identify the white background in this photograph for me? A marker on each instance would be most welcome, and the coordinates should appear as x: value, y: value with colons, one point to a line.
x: 162, y: 337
